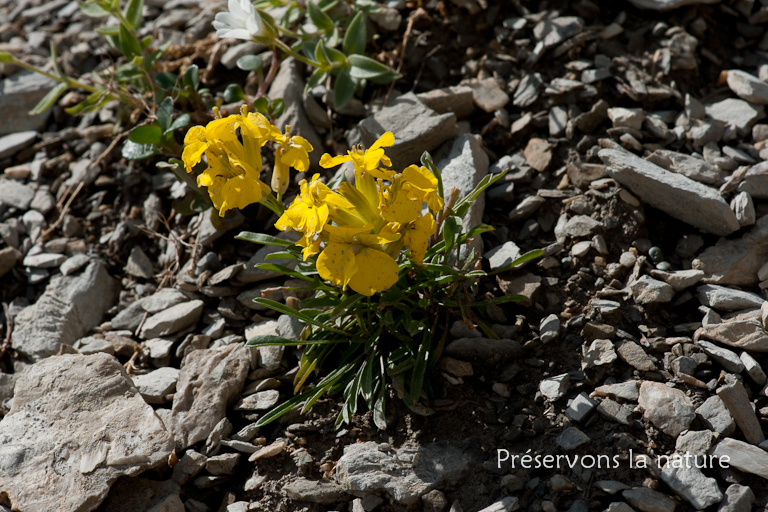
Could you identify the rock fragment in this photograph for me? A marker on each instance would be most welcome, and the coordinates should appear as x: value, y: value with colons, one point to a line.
x: 667, y: 408
x: 735, y: 398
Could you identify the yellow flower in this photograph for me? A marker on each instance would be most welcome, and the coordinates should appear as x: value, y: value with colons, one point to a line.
x: 397, y: 205
x: 291, y: 152
x: 309, y: 212
x: 422, y: 185
x: 232, y: 148
x: 416, y: 236
x: 352, y: 256
x: 366, y: 160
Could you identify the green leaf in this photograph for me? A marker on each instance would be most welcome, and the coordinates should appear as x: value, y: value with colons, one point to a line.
x: 128, y: 43
x: 269, y: 340
x: 282, y: 308
x: 385, y: 78
x: 318, y: 76
x: 451, y: 228
x: 261, y: 104
x: 530, y: 255
x: 366, y: 67
x: 250, y: 62
x: 283, y: 270
x: 49, y: 99
x: 192, y: 77
x: 319, y: 18
x: 92, y: 101
x: 166, y: 80
x: 147, y: 134
x: 343, y: 89
x: 500, y: 300
x: 277, y: 107
x: 233, y: 93
x: 164, y: 112
x: 132, y: 13
x: 261, y: 238
x: 321, y: 55
x: 426, y: 161
x: 354, y: 38
x: 93, y: 9
x: 134, y: 151
x: 379, y: 415
x: 462, y: 205
x: 180, y: 122
x: 336, y: 57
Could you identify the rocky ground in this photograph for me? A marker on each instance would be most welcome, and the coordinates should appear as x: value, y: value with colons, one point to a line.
x: 636, y: 145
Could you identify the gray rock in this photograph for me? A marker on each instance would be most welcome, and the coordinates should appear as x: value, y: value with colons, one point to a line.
x: 315, y: 491
x: 503, y: 255
x: 649, y: 500
x: 137, y: 494
x: 614, y: 411
x: 726, y: 358
x: 715, y: 416
x: 558, y: 120
x: 667, y: 408
x: 188, y: 467
x: 15, y: 194
x: 665, y: 5
x: 572, y: 438
x: 87, y: 408
x: 695, y: 168
x: 626, y: 117
x: 74, y: 263
x: 611, y: 486
x: 68, y: 309
x: 555, y: 31
x: 619, y: 506
x: 156, y: 385
x: 465, y: 166
x: 416, y: 127
x: 754, y: 370
x: 90, y: 345
x: 736, y: 262
x: 233, y: 53
x: 527, y: 91
x: 289, y: 85
x: 553, y: 388
x: 600, y: 352
x: 209, y: 380
x: 130, y: 317
x: 625, y: 390
x: 223, y: 464
x: 8, y: 258
x: 487, y: 94
x: 580, y: 226
x: 744, y: 208
x: 580, y: 407
x: 44, y: 260
x: 139, y: 264
x: 634, y: 355
x: 19, y: 94
x: 483, y: 351
x: 677, y: 195
x: 737, y: 498
x: 727, y: 299
x: 251, y: 274
x: 742, y: 456
x: 737, y: 114
x: 747, y: 87
x: 695, y: 442
x: 261, y: 401
x: 755, y: 181
x: 406, y: 474
x: 587, y: 122
x: 736, y: 400
x: 691, y: 485
x: 549, y: 328
x: 289, y: 327
x: 508, y: 504
x: 647, y: 290
x: 526, y: 208
x: 679, y: 280
x: 457, y: 99
x: 172, y: 320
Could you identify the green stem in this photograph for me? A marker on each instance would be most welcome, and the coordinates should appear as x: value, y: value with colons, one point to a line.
x: 65, y: 79
x: 287, y: 49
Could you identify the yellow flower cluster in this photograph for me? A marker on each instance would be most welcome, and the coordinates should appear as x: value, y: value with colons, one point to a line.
x: 232, y: 148
x: 372, y: 220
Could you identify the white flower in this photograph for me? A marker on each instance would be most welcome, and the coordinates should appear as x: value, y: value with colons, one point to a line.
x: 241, y: 22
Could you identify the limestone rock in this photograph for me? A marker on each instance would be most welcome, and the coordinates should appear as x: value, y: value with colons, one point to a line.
x: 209, y: 380
x: 736, y: 262
x: 677, y: 195
x: 76, y: 424
x: 68, y: 309
x: 667, y: 408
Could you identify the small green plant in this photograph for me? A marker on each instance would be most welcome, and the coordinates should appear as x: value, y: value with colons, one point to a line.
x: 382, y: 258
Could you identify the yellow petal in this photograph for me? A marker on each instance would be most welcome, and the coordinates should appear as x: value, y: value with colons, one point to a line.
x: 337, y: 263
x: 420, y: 177
x: 376, y: 272
x: 192, y: 154
x: 416, y: 236
x: 239, y: 192
x: 326, y: 160
x: 385, y: 140
x: 195, y: 134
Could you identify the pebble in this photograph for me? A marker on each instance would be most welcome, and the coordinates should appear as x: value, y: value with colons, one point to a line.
x: 487, y: 94
x: 15, y: 194
x: 692, y: 485
x: 614, y: 411
x: 8, y: 258
x: 715, y: 416
x: 743, y: 456
x: 508, y: 504
x: 503, y: 255
x: 649, y: 500
x: 727, y: 299
x: 625, y: 390
x: 726, y: 358
x: 553, y: 388
x: 549, y: 328
x: 737, y: 114
x: 736, y: 400
x: 580, y: 226
x: 223, y: 464
x: 572, y: 438
x: 647, y: 290
x: 737, y: 498
x: 580, y: 407
x: 527, y: 91
x: 747, y: 87
x: 754, y: 370
x: 15, y: 142
x: 667, y: 408
x: 188, y: 467
x: 695, y: 442
x: 736, y: 262
x: 634, y: 355
x: 599, y: 353
x: 266, y: 452
x: 172, y: 320
x: 315, y: 491
x: 538, y: 154
x: 156, y: 385
x: 697, y: 169
x: 626, y: 117
x: 44, y: 260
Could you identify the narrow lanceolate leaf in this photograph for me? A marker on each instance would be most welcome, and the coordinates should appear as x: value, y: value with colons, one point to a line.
x: 129, y: 45
x: 530, y: 255
x: 366, y: 67
x: 179, y: 122
x: 282, y: 308
x: 164, y: 113
x: 133, y: 151
x: 343, y: 90
x: 132, y: 13
x: 319, y: 18
x: 260, y: 238
x: 93, y: 9
x: 49, y: 99
x: 354, y: 39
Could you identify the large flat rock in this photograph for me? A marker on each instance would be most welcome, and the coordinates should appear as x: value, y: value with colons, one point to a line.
x: 681, y: 197
x: 67, y: 310
x: 76, y: 424
x: 735, y: 262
